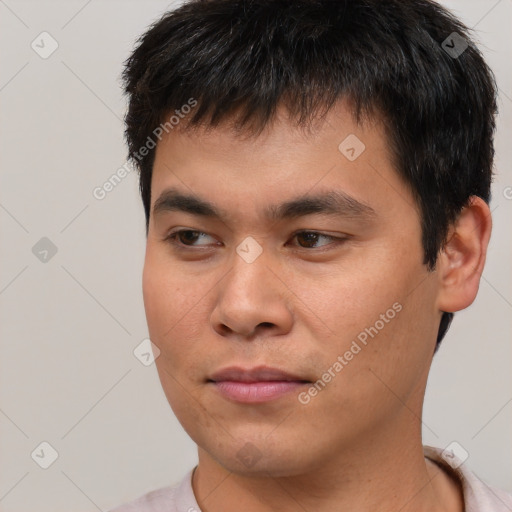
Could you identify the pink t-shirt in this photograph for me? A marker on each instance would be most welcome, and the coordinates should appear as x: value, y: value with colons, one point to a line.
x: 478, y: 496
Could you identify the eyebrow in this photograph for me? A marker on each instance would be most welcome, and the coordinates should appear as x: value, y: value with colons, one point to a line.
x: 332, y: 202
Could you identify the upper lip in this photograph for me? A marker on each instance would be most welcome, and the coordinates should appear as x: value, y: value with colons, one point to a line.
x: 257, y: 374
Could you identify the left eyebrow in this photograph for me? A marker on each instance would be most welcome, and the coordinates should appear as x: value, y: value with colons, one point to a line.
x: 331, y: 203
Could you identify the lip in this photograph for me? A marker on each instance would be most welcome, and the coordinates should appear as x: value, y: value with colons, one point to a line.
x: 256, y: 374
x: 255, y: 385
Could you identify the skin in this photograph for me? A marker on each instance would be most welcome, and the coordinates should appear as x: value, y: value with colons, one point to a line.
x: 357, y: 444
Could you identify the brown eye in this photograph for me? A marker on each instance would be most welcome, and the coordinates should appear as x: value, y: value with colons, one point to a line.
x: 308, y: 239
x: 185, y: 238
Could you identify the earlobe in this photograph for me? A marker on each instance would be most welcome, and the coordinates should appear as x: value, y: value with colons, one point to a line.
x: 461, y: 260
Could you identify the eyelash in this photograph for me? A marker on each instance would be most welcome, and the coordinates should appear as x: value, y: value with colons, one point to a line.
x: 172, y: 238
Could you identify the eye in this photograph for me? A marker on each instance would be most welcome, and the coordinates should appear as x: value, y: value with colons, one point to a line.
x: 310, y: 238
x: 185, y: 237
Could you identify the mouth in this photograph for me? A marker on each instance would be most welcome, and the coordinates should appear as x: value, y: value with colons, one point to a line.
x: 255, y: 385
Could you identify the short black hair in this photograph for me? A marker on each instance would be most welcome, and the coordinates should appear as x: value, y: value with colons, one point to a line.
x: 411, y: 64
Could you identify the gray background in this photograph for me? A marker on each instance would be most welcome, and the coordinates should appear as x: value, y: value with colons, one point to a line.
x: 69, y: 325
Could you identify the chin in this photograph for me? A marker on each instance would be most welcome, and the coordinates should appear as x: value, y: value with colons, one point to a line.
x: 257, y: 458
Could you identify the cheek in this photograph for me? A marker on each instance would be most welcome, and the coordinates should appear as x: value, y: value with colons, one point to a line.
x: 169, y: 293
x: 350, y: 297
x: 176, y: 307
x: 393, y: 352
x: 374, y: 310
x: 173, y: 308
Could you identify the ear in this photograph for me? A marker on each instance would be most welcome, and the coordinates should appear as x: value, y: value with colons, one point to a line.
x: 461, y: 261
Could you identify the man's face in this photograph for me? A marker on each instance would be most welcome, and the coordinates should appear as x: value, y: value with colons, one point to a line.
x: 293, y: 301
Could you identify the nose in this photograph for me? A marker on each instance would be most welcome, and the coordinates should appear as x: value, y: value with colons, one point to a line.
x: 253, y: 300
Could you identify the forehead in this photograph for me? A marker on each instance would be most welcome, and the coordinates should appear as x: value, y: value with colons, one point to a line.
x: 283, y: 131
x: 335, y: 153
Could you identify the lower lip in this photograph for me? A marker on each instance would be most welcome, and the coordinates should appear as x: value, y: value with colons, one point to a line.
x: 253, y: 392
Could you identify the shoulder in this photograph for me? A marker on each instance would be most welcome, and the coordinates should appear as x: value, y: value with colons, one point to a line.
x: 162, y: 499
x: 174, y: 498
x: 479, y: 496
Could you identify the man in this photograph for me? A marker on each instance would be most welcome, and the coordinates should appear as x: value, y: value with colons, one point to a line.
x: 315, y: 177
